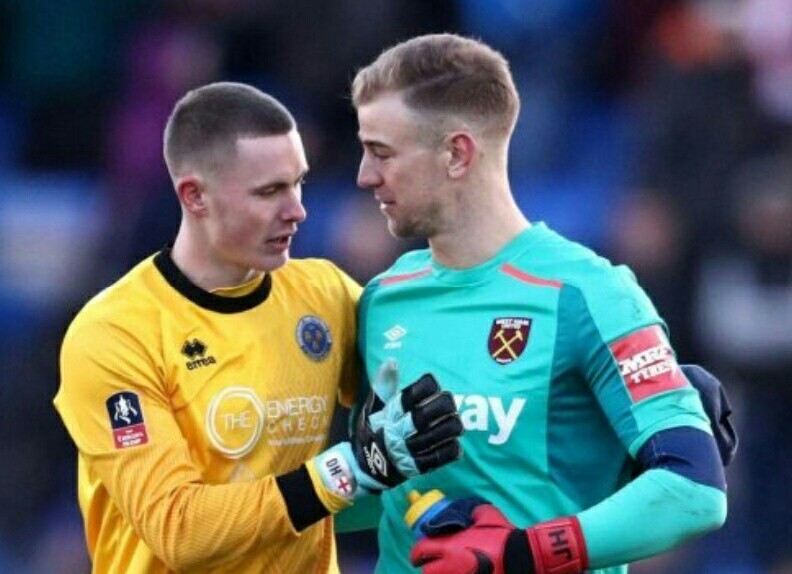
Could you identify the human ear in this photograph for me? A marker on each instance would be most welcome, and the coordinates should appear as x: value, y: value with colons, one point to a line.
x: 462, y: 148
x: 191, y: 194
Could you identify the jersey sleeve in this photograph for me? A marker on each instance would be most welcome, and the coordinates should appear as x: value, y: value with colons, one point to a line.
x: 625, y: 356
x: 116, y: 408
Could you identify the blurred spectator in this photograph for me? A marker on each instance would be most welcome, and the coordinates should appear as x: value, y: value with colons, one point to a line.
x: 163, y: 60
x: 696, y: 114
x: 765, y: 28
x: 61, y: 59
x: 745, y: 313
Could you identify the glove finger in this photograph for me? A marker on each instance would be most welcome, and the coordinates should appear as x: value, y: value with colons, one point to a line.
x: 436, y: 457
x: 433, y: 410
x: 419, y: 391
x: 440, y: 556
x: 445, y: 430
x: 386, y: 381
x: 424, y: 551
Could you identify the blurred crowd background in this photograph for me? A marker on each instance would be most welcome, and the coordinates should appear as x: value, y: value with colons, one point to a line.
x: 659, y: 133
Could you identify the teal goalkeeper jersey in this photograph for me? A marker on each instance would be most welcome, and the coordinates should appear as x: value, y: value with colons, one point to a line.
x: 559, y: 365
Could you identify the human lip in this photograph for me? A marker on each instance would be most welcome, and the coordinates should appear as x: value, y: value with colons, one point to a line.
x: 281, y: 242
x: 385, y: 204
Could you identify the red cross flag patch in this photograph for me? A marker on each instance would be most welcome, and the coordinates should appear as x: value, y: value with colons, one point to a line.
x: 647, y: 363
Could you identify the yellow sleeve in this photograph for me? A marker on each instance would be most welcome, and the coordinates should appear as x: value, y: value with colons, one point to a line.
x: 153, y: 480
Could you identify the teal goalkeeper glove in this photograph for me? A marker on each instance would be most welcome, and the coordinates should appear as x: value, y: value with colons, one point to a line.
x: 397, y: 435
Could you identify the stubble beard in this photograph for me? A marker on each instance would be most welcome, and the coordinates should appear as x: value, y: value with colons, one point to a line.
x: 423, y: 226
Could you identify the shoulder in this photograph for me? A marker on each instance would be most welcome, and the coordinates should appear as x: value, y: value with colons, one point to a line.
x: 317, y: 277
x: 412, y: 264
x: 610, y: 293
x: 120, y: 303
x: 120, y: 321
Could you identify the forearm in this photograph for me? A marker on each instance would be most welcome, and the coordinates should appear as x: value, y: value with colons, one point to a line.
x: 653, y: 513
x: 186, y: 522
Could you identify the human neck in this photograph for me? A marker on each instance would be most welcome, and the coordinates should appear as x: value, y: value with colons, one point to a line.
x: 480, y: 229
x: 202, y: 270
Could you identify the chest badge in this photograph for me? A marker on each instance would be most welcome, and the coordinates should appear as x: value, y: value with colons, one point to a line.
x: 313, y: 336
x: 508, y: 338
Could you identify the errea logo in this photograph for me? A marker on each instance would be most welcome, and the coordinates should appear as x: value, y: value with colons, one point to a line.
x: 195, y: 351
x: 393, y: 335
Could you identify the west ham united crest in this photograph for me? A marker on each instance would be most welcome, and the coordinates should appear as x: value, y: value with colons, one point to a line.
x: 508, y: 338
x: 313, y: 336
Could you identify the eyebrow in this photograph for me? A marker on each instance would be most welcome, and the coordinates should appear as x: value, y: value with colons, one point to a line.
x: 374, y: 143
x: 279, y: 182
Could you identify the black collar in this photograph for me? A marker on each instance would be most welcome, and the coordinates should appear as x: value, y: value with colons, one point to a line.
x: 205, y: 299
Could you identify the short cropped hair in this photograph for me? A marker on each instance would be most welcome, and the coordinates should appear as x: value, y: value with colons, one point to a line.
x: 205, y: 124
x: 444, y: 73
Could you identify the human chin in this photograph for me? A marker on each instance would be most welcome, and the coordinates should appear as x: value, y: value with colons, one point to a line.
x: 402, y: 229
x: 271, y: 260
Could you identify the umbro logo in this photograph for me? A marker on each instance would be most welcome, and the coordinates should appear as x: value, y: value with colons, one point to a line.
x: 195, y: 350
x: 393, y: 335
x: 376, y: 460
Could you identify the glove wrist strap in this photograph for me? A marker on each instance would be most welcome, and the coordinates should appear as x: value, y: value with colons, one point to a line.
x: 558, y: 547
x: 517, y: 557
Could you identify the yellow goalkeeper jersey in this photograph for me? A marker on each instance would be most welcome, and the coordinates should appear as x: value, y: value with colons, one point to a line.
x: 185, y: 405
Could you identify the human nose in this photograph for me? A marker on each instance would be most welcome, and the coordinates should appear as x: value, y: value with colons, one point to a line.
x: 294, y: 210
x: 368, y: 176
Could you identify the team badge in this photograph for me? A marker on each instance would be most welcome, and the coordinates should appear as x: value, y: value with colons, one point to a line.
x: 508, y: 338
x: 126, y: 420
x: 313, y: 336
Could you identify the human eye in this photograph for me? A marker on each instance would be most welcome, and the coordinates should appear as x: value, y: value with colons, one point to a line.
x: 267, y: 190
x: 379, y: 153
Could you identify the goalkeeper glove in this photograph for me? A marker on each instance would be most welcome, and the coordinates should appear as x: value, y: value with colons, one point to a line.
x: 471, y: 536
x: 397, y: 435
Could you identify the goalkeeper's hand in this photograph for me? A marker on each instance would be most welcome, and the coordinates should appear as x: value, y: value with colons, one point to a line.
x: 398, y: 434
x: 471, y: 536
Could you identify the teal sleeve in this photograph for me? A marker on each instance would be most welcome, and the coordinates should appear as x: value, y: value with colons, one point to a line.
x: 652, y: 514
x: 592, y: 332
x: 363, y: 515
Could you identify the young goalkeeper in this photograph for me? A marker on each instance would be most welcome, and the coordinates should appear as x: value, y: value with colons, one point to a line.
x: 199, y: 387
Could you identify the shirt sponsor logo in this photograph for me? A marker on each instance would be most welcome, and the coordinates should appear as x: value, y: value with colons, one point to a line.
x: 313, y: 336
x: 490, y: 415
x: 508, y: 338
x: 647, y: 363
x: 195, y: 351
x: 126, y: 420
x: 237, y: 418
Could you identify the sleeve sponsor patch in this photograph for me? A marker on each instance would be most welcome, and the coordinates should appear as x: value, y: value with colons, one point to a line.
x: 126, y: 420
x: 647, y: 363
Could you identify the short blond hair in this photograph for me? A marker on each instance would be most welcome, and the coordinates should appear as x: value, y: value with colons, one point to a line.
x: 446, y: 74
